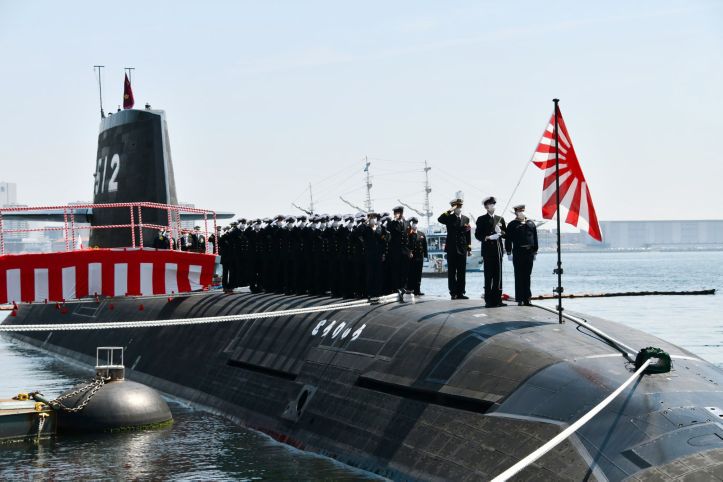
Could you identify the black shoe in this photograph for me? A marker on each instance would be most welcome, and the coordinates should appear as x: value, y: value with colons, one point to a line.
x: 418, y: 294
x: 501, y: 304
x: 527, y: 303
x: 489, y: 306
x: 454, y: 297
x: 462, y: 297
x: 519, y: 303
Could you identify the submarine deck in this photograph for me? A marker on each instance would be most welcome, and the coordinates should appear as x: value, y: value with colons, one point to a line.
x: 434, y: 389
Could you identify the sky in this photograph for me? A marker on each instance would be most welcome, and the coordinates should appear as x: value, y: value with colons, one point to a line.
x: 264, y: 98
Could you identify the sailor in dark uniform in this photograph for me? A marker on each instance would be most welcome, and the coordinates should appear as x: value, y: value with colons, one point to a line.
x: 308, y: 235
x: 491, y: 231
x: 267, y: 260
x: 242, y: 254
x: 418, y: 253
x: 334, y: 233
x: 287, y: 255
x: 521, y: 246
x: 374, y: 246
x: 399, y: 252
x: 359, y: 256
x: 299, y: 263
x: 458, y: 247
x: 346, y: 268
x: 278, y: 235
x: 256, y: 249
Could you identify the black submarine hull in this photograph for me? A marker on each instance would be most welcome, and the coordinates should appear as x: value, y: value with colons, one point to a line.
x: 432, y: 390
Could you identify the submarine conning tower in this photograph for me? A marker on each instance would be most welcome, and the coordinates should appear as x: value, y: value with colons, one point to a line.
x: 133, y: 164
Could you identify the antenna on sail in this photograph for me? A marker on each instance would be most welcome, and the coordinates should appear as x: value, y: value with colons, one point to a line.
x: 100, y: 88
x: 129, y: 70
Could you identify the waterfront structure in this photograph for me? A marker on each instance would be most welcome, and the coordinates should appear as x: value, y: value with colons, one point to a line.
x: 695, y: 233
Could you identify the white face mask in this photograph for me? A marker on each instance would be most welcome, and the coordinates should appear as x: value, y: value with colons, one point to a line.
x: 335, y: 224
x: 349, y: 224
x: 457, y: 211
x: 413, y: 225
x: 520, y: 215
x: 257, y: 227
x: 242, y: 226
x: 373, y: 222
x: 490, y: 208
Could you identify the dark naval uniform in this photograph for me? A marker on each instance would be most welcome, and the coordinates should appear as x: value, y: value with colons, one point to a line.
x: 224, y: 250
x: 398, y: 254
x: 418, y: 249
x: 521, y: 241
x: 492, y: 251
x: 458, y: 247
x: 374, y: 248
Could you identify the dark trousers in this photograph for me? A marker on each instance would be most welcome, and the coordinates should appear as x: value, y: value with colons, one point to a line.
x: 335, y: 286
x: 492, y: 259
x: 522, y: 261
x: 398, y: 272
x: 225, y: 276
x: 300, y: 278
x: 375, y: 278
x: 360, y: 276
x: 456, y: 270
x: 414, y: 276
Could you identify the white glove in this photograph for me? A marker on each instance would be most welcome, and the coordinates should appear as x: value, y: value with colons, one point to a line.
x: 494, y: 237
x: 509, y: 257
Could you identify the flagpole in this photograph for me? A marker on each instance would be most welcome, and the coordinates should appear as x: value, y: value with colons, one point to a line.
x: 558, y: 270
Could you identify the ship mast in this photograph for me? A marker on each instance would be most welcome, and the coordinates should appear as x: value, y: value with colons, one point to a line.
x: 311, y: 200
x: 368, y: 185
x: 427, y: 191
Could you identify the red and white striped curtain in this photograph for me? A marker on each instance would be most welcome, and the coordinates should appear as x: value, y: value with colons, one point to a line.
x: 109, y: 272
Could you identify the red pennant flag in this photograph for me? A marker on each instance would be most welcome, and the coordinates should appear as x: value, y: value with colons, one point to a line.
x: 575, y: 199
x: 127, y: 94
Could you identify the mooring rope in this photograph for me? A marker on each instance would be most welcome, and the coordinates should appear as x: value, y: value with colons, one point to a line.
x: 197, y: 321
x: 569, y: 430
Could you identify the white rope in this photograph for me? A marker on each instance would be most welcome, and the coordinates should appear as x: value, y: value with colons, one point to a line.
x: 569, y: 430
x: 197, y: 321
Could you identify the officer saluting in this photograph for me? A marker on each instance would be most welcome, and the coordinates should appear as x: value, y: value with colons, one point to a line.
x: 490, y: 231
x: 457, y: 247
x: 521, y: 246
x: 417, y: 255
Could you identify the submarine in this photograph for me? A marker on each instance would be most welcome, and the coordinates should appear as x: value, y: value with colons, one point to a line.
x: 426, y: 389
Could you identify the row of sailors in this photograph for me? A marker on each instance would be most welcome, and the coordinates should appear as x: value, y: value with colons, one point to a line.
x: 349, y: 256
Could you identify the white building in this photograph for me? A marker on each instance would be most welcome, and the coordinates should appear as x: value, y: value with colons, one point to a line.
x: 650, y: 234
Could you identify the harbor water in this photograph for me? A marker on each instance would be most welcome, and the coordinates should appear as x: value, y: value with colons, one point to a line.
x: 203, y: 446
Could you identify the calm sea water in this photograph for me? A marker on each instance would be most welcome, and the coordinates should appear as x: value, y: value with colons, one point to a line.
x: 202, y: 446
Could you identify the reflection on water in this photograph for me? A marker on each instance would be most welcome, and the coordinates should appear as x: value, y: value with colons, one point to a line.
x: 199, y: 445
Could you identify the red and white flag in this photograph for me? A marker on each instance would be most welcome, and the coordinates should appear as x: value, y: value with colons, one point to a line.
x: 575, y: 201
